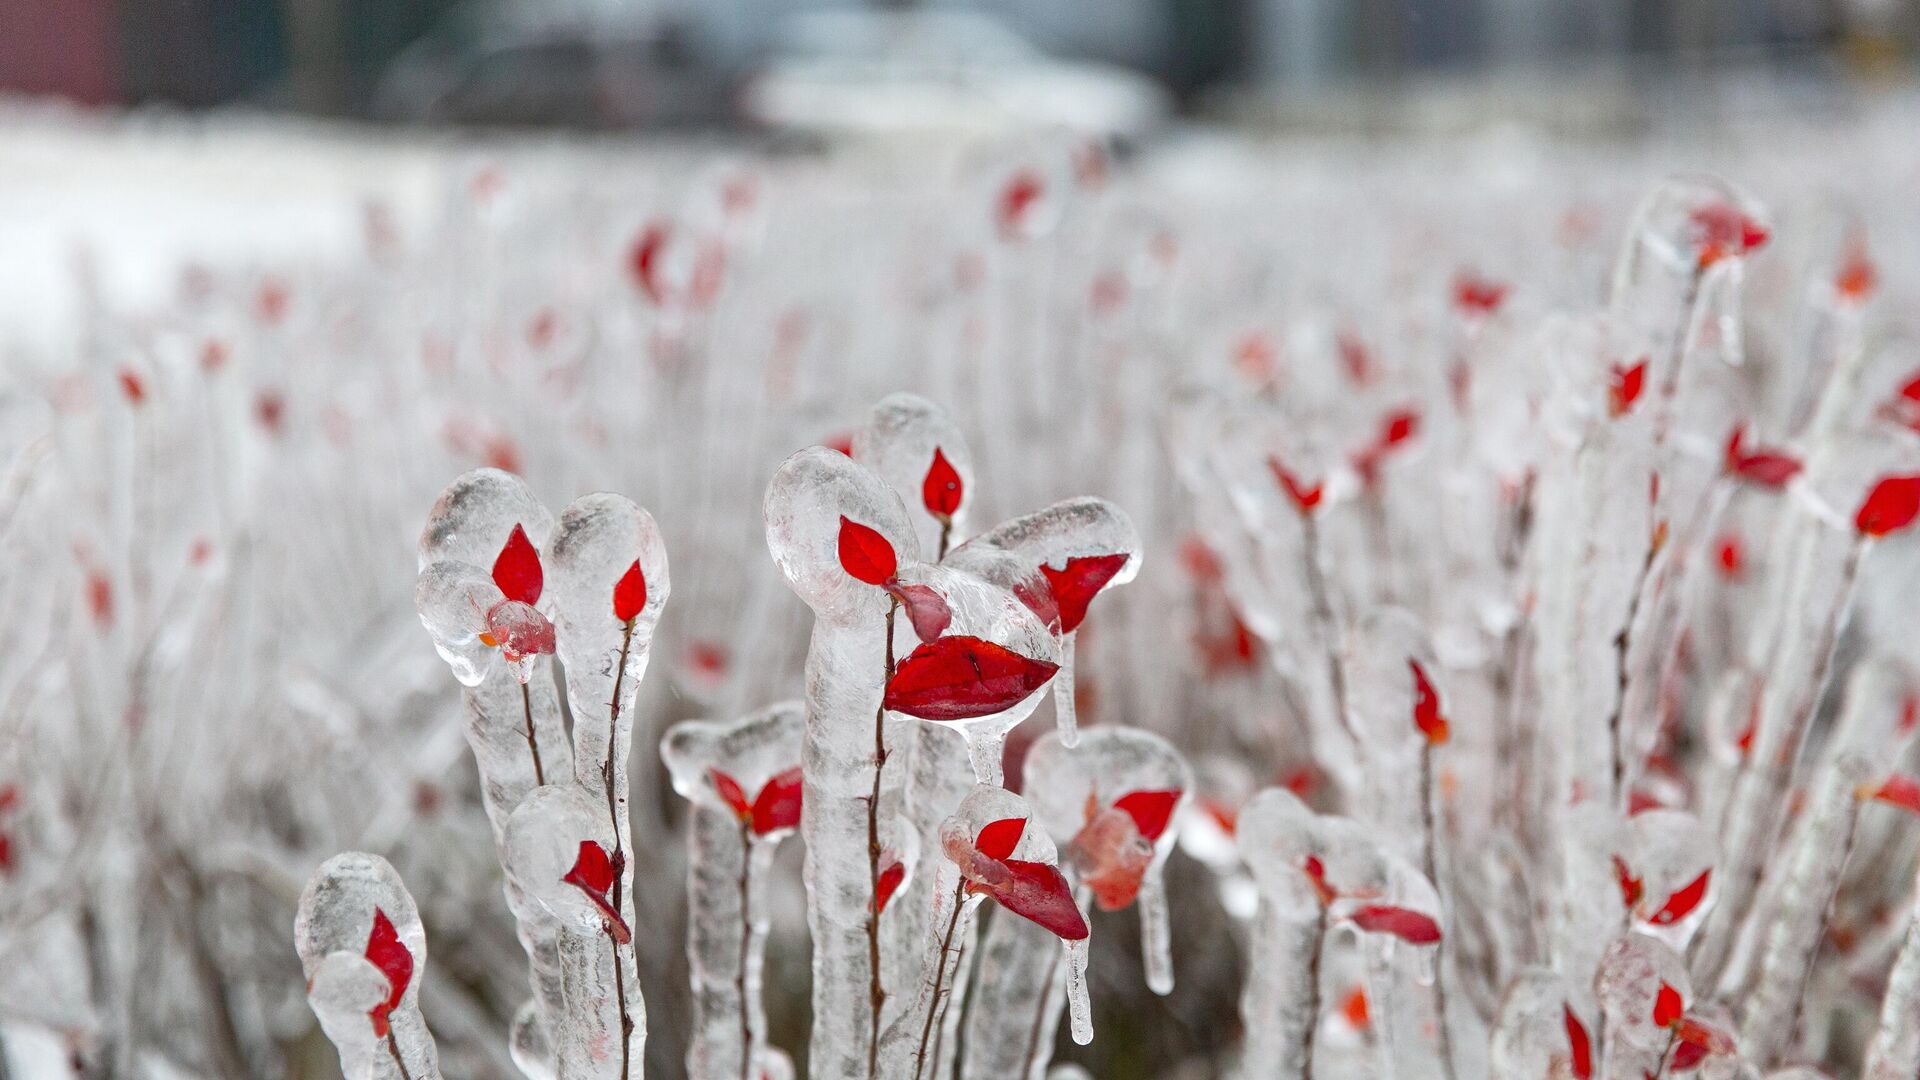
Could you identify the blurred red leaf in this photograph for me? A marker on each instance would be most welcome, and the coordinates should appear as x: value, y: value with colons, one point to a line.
x: 1890, y: 506
x: 1624, y: 387
x: 777, y: 806
x: 1426, y: 706
x: 1150, y: 810
x: 387, y: 952
x: 517, y: 568
x: 1631, y: 887
x: 865, y: 554
x: 1899, y: 790
x: 961, y: 677
x: 1404, y: 923
x: 731, y: 793
x: 1304, y: 498
x: 941, y: 491
x: 1667, y: 1007
x: 1475, y: 295
x: 630, y: 593
x: 1579, y: 1045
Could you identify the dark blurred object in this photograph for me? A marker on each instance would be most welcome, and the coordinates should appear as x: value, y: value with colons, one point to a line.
x: 64, y: 47
x: 556, y: 65
x: 872, y: 72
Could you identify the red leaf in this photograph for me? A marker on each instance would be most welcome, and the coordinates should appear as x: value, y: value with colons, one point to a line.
x: 1017, y: 198
x: 1316, y: 872
x: 1631, y: 887
x: 997, y: 839
x: 1890, y: 506
x: 1767, y: 468
x: 644, y: 260
x: 1857, y: 275
x: 1039, y: 892
x: 1899, y: 790
x: 630, y: 593
x: 1355, y: 1009
x: 1667, y: 1007
x: 731, y: 792
x: 1398, y: 427
x: 778, y: 804
x: 892, y: 873
x: 1686, y: 1055
x: 1150, y: 810
x: 1732, y: 556
x: 1624, y: 388
x: 388, y: 953
x: 1579, y: 1045
x: 1426, y: 707
x: 1475, y: 295
x: 593, y: 874
x: 1683, y: 900
x: 132, y: 386
x: 517, y: 568
x: 866, y: 554
x: 1304, y: 498
x: 519, y: 630
x: 926, y: 608
x: 1404, y: 923
x: 941, y: 491
x: 961, y: 678
x: 1721, y: 229
x: 1075, y: 585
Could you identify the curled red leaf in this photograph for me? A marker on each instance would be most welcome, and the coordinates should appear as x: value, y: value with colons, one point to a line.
x: 865, y: 554
x: 630, y: 593
x: 1889, y: 507
x: 1631, y: 887
x: 1426, y: 706
x: 645, y: 260
x: 516, y: 570
x: 1765, y: 467
x: 962, y: 677
x: 387, y: 952
x: 1898, y: 790
x: 941, y: 491
x: 1316, y: 872
x: 1682, y: 901
x: 926, y: 609
x: 1579, y: 1045
x: 1404, y: 923
x: 518, y: 630
x: 997, y: 839
x: 1039, y: 893
x: 1151, y: 811
x: 1667, y: 1007
x: 1304, y: 498
x: 731, y: 793
x: 1623, y: 388
x: 777, y: 807
x: 593, y: 874
x: 1071, y: 588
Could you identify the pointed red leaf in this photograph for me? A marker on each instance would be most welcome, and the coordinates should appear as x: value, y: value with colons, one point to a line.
x: 1631, y: 887
x: 941, y: 491
x: 630, y: 593
x: 1890, y: 506
x: 1579, y: 1045
x: 1399, y: 426
x: 997, y: 839
x: 926, y: 608
x: 593, y: 874
x: 1667, y: 1007
x: 1686, y: 1055
x: 1899, y: 790
x: 961, y: 678
x: 731, y: 793
x: 1316, y: 872
x: 1426, y: 706
x: 777, y: 806
x: 1039, y: 892
x: 1857, y: 276
x: 1625, y: 386
x: 519, y: 630
x: 1150, y: 810
x: 517, y: 568
x: 866, y: 554
x: 892, y: 873
x: 1354, y: 1010
x: 1075, y: 585
x: 1404, y: 923
x: 1683, y: 900
x: 1304, y: 498
x: 387, y: 952
x: 1767, y: 468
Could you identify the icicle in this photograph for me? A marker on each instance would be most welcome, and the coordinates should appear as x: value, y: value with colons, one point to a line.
x: 1078, y: 1010
x: 1894, y: 1053
x: 1066, y: 718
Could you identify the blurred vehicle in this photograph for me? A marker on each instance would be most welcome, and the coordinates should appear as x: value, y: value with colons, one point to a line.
x: 870, y: 72
x: 565, y: 64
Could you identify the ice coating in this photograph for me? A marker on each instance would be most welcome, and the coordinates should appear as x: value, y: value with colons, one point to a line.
x: 1627, y: 984
x: 1894, y: 1052
x: 475, y: 517
x: 1537, y: 1033
x: 1045, y: 546
x: 1073, y: 790
x: 902, y: 435
x: 848, y: 662
x: 353, y: 915
x: 730, y: 857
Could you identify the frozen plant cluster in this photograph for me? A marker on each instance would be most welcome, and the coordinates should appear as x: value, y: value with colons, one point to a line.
x: 1514, y: 677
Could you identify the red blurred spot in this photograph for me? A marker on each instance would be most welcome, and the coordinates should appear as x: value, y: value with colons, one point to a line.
x: 1477, y: 296
x: 1889, y: 507
x: 1623, y: 389
x: 132, y: 386
x: 1732, y: 557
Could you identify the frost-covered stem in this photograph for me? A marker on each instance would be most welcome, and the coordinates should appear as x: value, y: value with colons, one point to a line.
x: 1666, y: 1054
x: 1313, y: 993
x: 1793, y: 940
x: 619, y: 858
x: 876, y: 992
x: 1041, y: 1013
x: 1280, y: 1004
x: 1622, y: 647
x: 746, y: 943
x: 1894, y: 1053
x: 526, y: 704
x: 400, y: 1061
x: 1429, y: 833
x: 939, y: 978
x: 1323, y: 617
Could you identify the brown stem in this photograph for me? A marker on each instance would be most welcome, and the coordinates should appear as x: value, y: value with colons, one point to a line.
x: 1323, y: 614
x: 1439, y: 957
x: 526, y: 702
x: 1313, y: 993
x: 939, y: 978
x: 619, y: 859
x: 1622, y: 644
x: 1672, y: 1035
x: 393, y: 1047
x: 1039, y: 1016
x: 946, y: 536
x: 876, y: 993
x: 746, y: 934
